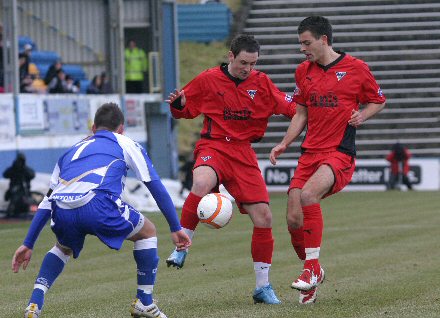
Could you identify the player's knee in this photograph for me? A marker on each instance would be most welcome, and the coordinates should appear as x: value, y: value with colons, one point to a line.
x: 294, y: 221
x: 201, y: 187
x: 308, y: 197
x: 148, y: 230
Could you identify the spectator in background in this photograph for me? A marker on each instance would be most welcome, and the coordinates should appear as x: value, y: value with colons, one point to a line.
x: 52, y: 71
x: 23, y: 69
x: 399, y: 163
x: 136, y: 65
x: 58, y: 84
x: 105, y: 87
x: 19, y: 191
x: 38, y: 85
x: 95, y: 85
x: 71, y: 86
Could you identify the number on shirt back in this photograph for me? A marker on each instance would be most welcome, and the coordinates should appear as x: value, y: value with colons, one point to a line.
x: 82, y: 145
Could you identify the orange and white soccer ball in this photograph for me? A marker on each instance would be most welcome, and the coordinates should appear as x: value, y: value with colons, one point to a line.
x: 215, y: 210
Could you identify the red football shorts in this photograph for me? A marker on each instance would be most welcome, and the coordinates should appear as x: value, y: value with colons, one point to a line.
x: 236, y: 167
x: 342, y: 165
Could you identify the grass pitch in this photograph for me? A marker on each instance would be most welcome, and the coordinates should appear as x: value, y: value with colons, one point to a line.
x: 380, y: 252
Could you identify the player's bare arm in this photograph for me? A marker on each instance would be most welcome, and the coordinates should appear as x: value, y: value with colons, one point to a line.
x: 175, y: 95
x: 359, y: 116
x: 296, y: 126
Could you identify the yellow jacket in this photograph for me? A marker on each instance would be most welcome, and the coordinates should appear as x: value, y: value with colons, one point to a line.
x: 136, y: 64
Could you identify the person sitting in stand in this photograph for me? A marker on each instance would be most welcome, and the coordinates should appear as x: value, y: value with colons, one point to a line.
x: 399, y: 162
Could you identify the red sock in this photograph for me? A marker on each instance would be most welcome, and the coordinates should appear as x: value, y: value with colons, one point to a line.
x: 297, y: 239
x: 313, y: 228
x: 262, y: 245
x: 189, y: 218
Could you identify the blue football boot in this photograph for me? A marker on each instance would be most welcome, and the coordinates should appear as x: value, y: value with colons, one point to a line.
x: 265, y: 295
x: 177, y: 258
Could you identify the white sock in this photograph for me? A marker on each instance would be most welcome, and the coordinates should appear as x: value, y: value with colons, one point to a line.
x: 261, y: 274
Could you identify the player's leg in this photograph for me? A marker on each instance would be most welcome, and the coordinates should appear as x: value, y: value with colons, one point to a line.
x: 204, y: 180
x: 147, y: 259
x: 51, y: 267
x: 314, y: 189
x: 295, y: 222
x: 262, y: 246
x: 70, y: 242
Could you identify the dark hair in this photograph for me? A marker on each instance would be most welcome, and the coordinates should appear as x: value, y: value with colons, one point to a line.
x: 318, y: 26
x: 399, y: 151
x: 109, y: 116
x: 244, y: 42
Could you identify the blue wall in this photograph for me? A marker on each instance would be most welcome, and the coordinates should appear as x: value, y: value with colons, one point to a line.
x: 204, y: 22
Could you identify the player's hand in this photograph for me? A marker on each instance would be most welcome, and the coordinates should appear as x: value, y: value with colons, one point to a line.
x: 356, y: 119
x: 175, y: 95
x: 181, y: 240
x: 275, y: 152
x: 22, y: 256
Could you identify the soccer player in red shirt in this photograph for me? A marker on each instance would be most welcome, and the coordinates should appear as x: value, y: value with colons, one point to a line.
x: 330, y: 87
x: 236, y: 102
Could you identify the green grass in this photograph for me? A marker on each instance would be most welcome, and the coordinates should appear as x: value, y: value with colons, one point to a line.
x: 380, y: 252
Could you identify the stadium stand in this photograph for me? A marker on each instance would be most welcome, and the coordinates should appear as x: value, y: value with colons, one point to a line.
x: 400, y: 42
x: 44, y: 59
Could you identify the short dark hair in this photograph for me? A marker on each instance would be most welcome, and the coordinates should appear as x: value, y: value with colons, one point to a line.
x: 318, y: 26
x: 244, y: 42
x: 109, y: 116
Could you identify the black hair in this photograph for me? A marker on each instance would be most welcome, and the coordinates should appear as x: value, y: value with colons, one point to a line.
x: 399, y: 151
x: 109, y: 116
x: 244, y: 42
x: 318, y: 26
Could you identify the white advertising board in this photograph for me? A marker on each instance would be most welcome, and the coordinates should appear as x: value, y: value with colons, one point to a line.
x: 370, y: 175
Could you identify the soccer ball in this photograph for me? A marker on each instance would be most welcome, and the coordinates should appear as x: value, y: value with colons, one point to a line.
x: 214, y: 210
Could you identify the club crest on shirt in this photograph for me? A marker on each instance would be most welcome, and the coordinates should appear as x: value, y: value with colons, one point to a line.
x: 206, y: 158
x: 252, y: 92
x: 379, y: 92
x: 297, y: 91
x: 340, y: 75
x: 288, y: 98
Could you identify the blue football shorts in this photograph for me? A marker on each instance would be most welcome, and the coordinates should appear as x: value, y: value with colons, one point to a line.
x: 112, y: 222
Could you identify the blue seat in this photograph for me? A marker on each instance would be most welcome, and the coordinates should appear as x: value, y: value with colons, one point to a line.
x: 43, y: 68
x: 44, y: 57
x: 23, y: 40
x: 75, y: 70
x: 84, y: 84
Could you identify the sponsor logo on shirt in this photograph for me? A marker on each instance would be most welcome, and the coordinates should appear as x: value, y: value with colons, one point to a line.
x: 340, y: 75
x: 252, y: 92
x: 206, y: 158
x: 243, y: 114
x: 329, y: 100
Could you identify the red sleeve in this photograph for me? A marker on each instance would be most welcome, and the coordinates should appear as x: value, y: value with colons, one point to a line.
x: 284, y: 104
x: 370, y: 92
x: 298, y: 95
x: 194, y: 99
x: 390, y: 156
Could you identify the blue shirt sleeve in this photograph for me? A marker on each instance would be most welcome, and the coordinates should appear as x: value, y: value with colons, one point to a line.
x: 165, y: 204
x: 38, y: 222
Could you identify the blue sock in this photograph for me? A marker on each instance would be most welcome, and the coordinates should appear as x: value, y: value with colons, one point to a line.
x: 51, y: 268
x: 145, y: 255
